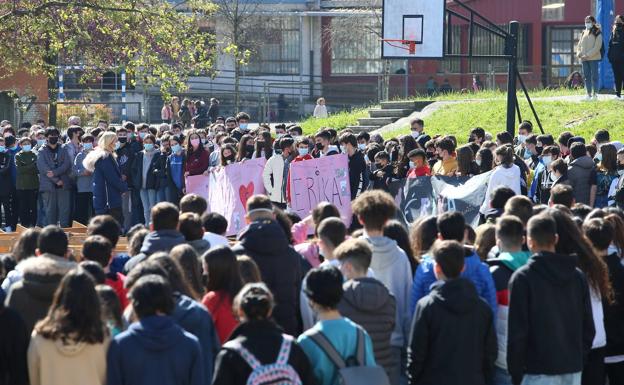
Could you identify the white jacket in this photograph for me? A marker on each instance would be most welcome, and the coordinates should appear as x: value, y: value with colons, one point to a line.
x: 509, y: 177
x: 275, y: 167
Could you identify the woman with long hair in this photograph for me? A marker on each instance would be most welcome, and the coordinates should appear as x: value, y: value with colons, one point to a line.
x: 245, y: 148
x: 616, y: 53
x: 588, y: 51
x: 264, y: 145
x: 573, y: 242
x: 407, y: 143
x: 223, y: 282
x: 197, y: 156
x: 505, y: 174
x: 423, y: 234
x: 484, y: 160
x: 188, y: 259
x: 466, y: 165
x: 396, y: 230
x: 108, y: 182
x: 69, y: 345
x: 258, y: 338
x: 605, y: 175
x: 228, y: 154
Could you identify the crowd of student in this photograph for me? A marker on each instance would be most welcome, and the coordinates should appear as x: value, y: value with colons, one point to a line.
x: 532, y: 296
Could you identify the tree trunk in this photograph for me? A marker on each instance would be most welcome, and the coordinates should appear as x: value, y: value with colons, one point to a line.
x: 52, y: 96
x: 236, y: 83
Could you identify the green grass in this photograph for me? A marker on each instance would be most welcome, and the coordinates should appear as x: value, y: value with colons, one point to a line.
x: 338, y: 120
x: 581, y: 118
x: 498, y: 94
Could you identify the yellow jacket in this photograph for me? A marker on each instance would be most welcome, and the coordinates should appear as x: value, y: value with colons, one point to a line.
x: 589, y: 45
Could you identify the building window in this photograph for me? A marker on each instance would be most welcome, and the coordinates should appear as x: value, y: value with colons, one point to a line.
x: 561, y: 53
x: 280, y: 49
x: 350, y: 55
x: 552, y: 10
x: 453, y: 64
x: 486, y: 43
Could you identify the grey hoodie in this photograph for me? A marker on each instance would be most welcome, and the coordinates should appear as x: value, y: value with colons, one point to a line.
x: 581, y: 176
x: 392, y: 268
x: 368, y: 303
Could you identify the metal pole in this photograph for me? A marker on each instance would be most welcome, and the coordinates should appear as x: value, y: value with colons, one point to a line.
x: 511, y: 48
x: 528, y: 98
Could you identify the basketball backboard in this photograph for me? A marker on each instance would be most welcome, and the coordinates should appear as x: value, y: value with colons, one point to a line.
x: 421, y: 21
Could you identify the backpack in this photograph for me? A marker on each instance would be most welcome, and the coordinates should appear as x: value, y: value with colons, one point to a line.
x: 278, y: 373
x: 353, y: 371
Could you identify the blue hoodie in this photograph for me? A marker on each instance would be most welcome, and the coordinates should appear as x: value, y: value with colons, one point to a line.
x: 195, y: 319
x: 176, y: 167
x: 475, y: 270
x: 155, y: 351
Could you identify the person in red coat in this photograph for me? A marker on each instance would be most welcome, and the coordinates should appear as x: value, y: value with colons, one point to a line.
x: 197, y: 156
x: 418, y: 164
x: 224, y: 282
x: 303, y: 148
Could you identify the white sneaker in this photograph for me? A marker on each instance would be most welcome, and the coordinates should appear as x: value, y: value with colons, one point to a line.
x: 587, y: 98
x: 595, y: 97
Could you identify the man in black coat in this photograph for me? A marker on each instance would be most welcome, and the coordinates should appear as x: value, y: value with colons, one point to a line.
x: 266, y: 243
x: 550, y: 324
x: 357, y: 165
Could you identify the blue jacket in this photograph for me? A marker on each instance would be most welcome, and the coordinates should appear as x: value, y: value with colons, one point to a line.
x: 175, y: 166
x: 474, y: 270
x: 195, y: 319
x: 107, y: 183
x: 155, y: 351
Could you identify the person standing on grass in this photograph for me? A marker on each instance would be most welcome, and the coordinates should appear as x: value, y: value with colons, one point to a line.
x: 320, y: 111
x: 588, y: 51
x: 27, y: 183
x: 616, y: 54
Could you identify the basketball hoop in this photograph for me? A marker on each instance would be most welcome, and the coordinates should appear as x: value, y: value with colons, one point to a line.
x: 408, y: 45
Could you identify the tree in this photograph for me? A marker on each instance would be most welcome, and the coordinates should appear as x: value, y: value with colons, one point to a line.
x: 151, y: 39
x: 244, y: 31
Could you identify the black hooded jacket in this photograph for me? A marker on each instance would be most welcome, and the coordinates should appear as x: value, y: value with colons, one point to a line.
x: 280, y: 266
x: 550, y: 327
x: 453, y: 340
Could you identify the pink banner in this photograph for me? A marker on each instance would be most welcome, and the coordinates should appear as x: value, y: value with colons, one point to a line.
x: 231, y: 186
x: 324, y: 179
x: 198, y: 184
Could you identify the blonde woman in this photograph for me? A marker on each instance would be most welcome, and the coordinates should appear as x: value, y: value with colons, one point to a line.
x: 108, y: 182
x: 320, y: 111
x: 588, y: 50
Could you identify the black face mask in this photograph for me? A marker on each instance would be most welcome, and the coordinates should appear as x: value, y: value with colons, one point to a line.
x: 378, y: 166
x: 249, y: 149
x: 53, y: 140
x: 538, y: 150
x: 319, y: 146
x: 431, y: 155
x: 620, y: 166
x: 123, y: 140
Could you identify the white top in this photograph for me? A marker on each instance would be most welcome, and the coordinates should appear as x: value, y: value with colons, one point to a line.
x: 320, y: 111
x: 600, y: 338
x: 216, y: 240
x: 501, y: 176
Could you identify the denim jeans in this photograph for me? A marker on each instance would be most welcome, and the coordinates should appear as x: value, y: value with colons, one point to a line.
x: 161, y: 194
x: 560, y: 379
x: 148, y: 199
x: 501, y: 377
x: 590, y: 71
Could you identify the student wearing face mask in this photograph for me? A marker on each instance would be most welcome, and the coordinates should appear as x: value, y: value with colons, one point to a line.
x: 417, y: 127
x: 175, y: 170
x: 275, y: 174
x: 241, y: 122
x: 84, y: 182
x: 197, y: 156
x: 27, y: 183
x: 323, y: 146
x: 357, y: 165
x: 264, y: 146
x: 303, y: 153
x: 6, y: 189
x: 228, y: 154
x: 145, y: 175
x: 125, y: 157
x: 589, y: 50
x: 418, y: 164
x: 54, y: 165
x: 616, y: 192
x: 245, y: 148
x: 524, y: 130
x: 559, y: 173
x: 606, y: 173
x: 542, y: 181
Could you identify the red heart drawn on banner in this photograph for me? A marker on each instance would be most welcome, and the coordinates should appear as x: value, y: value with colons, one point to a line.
x: 245, y: 192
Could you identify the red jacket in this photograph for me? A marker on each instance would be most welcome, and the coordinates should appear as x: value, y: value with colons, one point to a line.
x: 116, y: 281
x: 197, y: 162
x: 419, y: 171
x: 219, y: 304
x: 297, y: 159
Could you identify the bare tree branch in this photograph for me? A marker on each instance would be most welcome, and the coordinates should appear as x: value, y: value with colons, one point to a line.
x: 38, y: 10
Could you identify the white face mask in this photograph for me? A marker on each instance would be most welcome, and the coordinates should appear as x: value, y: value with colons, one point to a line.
x: 553, y: 177
x: 620, y: 172
x: 588, y: 25
x: 478, y: 162
x: 415, y: 134
x: 521, y: 138
x: 547, y: 160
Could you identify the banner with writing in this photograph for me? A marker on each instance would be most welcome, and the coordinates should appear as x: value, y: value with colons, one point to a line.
x: 231, y: 186
x: 424, y: 196
x: 197, y: 184
x: 324, y: 179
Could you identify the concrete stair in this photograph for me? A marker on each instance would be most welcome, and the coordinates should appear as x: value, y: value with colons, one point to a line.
x: 389, y: 113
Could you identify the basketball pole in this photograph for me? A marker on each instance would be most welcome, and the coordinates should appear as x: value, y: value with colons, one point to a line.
x: 511, y: 49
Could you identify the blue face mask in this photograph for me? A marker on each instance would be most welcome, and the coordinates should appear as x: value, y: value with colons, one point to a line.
x: 142, y: 135
x: 362, y: 146
x: 243, y: 126
x: 26, y: 147
x: 527, y: 154
x: 2, y: 148
x: 303, y: 151
x: 412, y: 164
x: 40, y: 142
x: 117, y: 145
x: 148, y: 146
x: 87, y: 146
x: 599, y: 157
x: 176, y: 148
